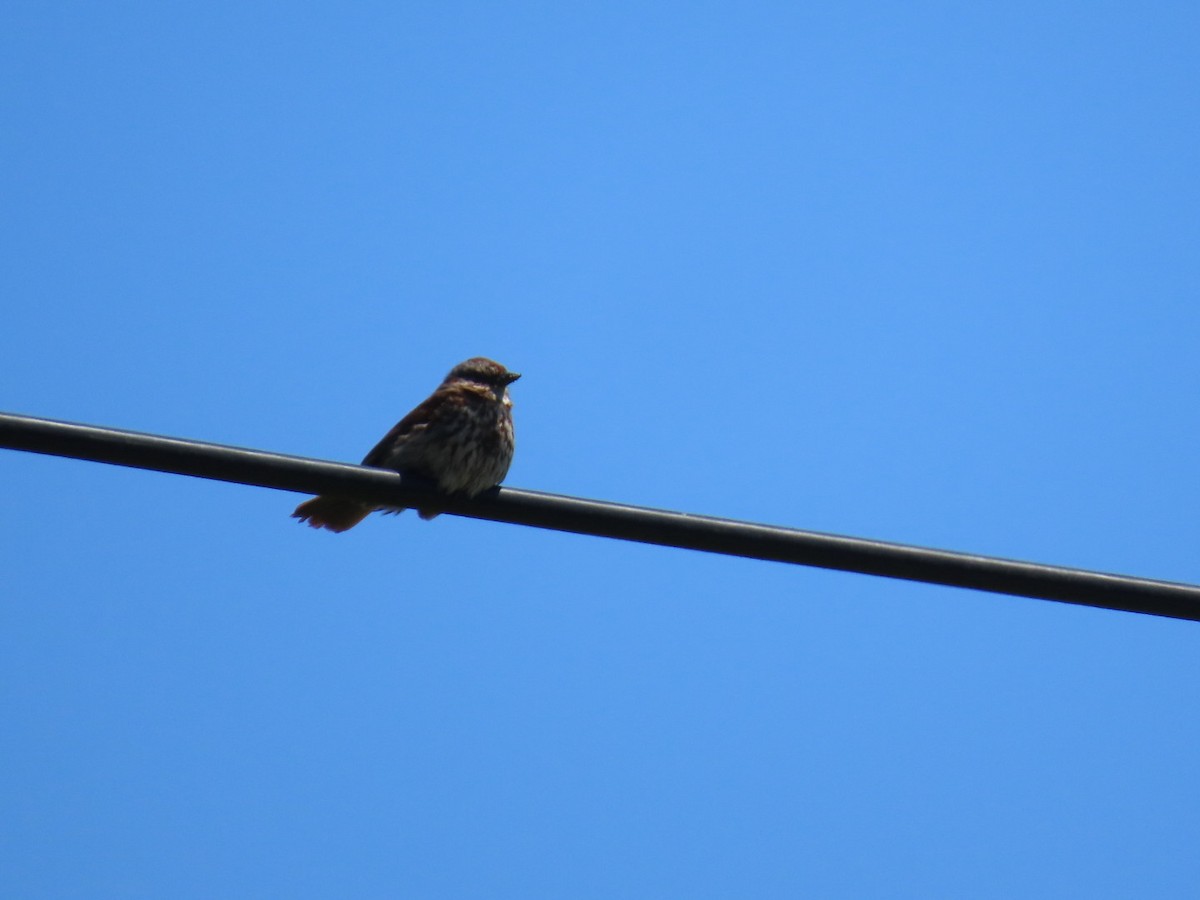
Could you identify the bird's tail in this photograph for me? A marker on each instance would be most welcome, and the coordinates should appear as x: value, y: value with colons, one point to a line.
x: 335, y: 513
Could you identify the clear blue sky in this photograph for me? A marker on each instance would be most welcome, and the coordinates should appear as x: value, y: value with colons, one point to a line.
x: 919, y: 272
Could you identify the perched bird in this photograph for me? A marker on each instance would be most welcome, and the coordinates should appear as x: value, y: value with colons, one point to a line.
x: 461, y: 438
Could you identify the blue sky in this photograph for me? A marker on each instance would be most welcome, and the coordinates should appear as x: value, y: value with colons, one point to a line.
x: 919, y: 272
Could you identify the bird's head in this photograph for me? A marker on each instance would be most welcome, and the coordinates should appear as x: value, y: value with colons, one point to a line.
x: 480, y: 370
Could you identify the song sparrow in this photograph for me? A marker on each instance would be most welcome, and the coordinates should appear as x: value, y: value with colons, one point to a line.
x: 461, y: 438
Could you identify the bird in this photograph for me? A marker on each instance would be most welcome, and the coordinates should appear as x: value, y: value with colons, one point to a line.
x: 460, y: 438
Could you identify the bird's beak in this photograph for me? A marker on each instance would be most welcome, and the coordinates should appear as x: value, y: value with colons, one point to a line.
x: 512, y: 376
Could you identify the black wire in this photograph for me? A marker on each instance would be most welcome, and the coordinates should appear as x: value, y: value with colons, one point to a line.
x: 633, y: 523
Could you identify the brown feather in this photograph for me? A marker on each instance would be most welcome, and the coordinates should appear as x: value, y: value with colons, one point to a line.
x: 335, y: 513
x: 418, y: 419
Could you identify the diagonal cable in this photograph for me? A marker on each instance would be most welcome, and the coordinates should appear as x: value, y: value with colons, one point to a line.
x: 603, y: 519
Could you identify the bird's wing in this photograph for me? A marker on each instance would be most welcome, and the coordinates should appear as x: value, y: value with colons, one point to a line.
x: 408, y: 431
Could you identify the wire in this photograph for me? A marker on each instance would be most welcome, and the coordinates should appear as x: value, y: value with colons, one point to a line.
x: 594, y: 517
